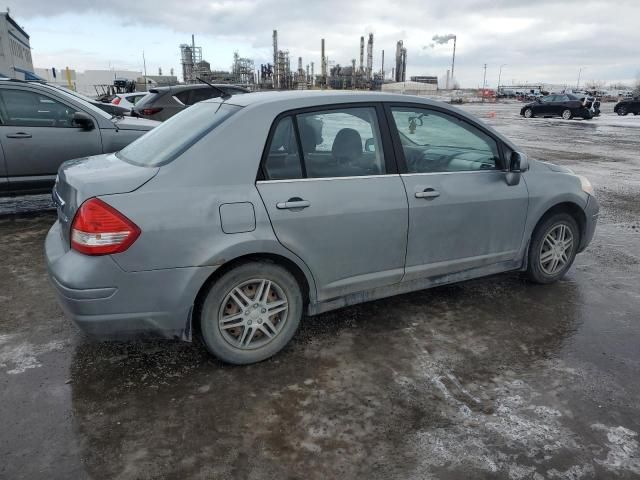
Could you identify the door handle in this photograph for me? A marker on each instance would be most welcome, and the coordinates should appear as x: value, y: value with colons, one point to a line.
x: 19, y: 135
x: 294, y: 202
x: 428, y: 193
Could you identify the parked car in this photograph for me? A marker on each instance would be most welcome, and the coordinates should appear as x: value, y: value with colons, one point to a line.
x: 128, y: 100
x: 564, y: 105
x: 111, y: 109
x: 238, y: 216
x: 42, y: 126
x: 631, y: 105
x: 164, y: 102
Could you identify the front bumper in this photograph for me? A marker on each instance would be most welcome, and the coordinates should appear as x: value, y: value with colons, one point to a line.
x: 591, y: 212
x: 108, y: 302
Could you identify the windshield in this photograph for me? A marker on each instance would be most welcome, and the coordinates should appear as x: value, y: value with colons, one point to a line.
x: 166, y: 142
x: 79, y: 97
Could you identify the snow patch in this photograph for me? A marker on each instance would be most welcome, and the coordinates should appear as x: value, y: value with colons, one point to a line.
x: 20, y: 357
x: 624, y: 450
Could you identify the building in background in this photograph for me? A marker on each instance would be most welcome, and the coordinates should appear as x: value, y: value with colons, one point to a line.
x: 15, y: 51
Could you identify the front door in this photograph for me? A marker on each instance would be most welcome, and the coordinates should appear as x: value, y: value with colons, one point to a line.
x: 37, y: 134
x: 334, y: 199
x: 462, y: 214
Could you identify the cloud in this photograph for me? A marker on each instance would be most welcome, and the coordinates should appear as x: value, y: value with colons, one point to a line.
x: 544, y: 40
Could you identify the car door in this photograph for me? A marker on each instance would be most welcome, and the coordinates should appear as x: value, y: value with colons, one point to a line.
x: 38, y: 134
x: 462, y: 213
x: 559, y: 104
x: 335, y: 199
x: 545, y: 106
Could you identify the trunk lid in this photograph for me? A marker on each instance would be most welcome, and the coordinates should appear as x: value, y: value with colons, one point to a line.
x: 83, y: 178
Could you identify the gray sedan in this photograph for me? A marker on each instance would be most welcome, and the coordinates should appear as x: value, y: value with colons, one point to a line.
x: 236, y: 217
x: 42, y: 126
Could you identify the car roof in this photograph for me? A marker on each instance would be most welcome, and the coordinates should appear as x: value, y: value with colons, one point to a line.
x: 179, y: 88
x: 300, y: 98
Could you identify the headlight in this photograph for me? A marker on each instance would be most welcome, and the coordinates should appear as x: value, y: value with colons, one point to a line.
x: 586, y: 185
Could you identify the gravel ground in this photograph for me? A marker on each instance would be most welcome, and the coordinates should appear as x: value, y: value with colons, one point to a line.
x: 494, y: 378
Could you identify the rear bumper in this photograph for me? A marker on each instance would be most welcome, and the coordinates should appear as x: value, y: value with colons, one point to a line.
x: 591, y: 213
x: 108, y: 302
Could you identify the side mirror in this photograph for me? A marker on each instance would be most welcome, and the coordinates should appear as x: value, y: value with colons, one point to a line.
x: 82, y: 120
x: 518, y: 163
x: 369, y: 145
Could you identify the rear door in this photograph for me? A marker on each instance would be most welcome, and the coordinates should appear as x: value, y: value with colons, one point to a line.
x: 335, y: 199
x: 37, y: 134
x: 462, y: 213
x: 4, y: 182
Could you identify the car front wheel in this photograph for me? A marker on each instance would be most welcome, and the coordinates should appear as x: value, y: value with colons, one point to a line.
x: 251, y: 313
x: 567, y: 114
x: 553, y: 248
x: 528, y: 113
x: 622, y: 111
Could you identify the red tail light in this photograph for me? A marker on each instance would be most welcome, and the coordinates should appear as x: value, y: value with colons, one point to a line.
x: 99, y: 229
x: 116, y: 101
x: 151, y: 111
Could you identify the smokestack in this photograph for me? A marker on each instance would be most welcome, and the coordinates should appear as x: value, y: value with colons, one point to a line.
x: 323, y: 65
x: 382, y: 68
x: 313, y: 77
x: 274, y: 76
x: 446, y: 85
x: 370, y: 57
x: 361, y: 54
x: 398, y: 75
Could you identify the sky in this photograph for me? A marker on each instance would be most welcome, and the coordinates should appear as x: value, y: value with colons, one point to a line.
x: 542, y: 41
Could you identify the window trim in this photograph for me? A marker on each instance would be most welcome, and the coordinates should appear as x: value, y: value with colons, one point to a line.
x: 390, y: 159
x: 397, y: 144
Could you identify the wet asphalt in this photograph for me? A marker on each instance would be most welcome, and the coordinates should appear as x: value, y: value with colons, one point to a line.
x: 493, y: 378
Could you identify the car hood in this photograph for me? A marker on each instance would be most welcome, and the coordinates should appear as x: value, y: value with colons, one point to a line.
x: 553, y: 167
x: 135, y: 123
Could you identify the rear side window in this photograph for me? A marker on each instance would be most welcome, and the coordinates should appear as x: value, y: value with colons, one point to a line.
x: 329, y: 143
x: 200, y: 94
x: 173, y: 137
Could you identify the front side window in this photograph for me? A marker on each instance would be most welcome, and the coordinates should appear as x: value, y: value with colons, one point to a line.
x: 31, y: 109
x: 437, y: 142
x: 341, y: 143
x: 173, y: 137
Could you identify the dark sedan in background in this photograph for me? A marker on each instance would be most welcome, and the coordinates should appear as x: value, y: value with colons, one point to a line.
x: 565, y: 105
x: 631, y: 105
x: 163, y: 103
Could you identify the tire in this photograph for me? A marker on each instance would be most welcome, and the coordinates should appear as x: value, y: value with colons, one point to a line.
x: 587, y: 115
x: 528, y: 113
x: 539, y: 268
x: 246, y: 336
x: 567, y: 114
x: 622, y: 111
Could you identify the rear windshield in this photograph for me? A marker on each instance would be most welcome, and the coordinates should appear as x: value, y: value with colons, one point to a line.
x: 167, y: 141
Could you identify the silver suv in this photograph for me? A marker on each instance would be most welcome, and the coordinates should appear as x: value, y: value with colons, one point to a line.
x: 236, y: 217
x: 42, y: 126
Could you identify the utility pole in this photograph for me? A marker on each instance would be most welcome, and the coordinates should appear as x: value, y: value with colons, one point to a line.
x: 484, y: 81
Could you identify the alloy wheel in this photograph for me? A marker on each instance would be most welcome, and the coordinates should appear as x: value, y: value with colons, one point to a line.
x: 253, y: 313
x: 528, y: 113
x: 566, y: 114
x: 555, y: 251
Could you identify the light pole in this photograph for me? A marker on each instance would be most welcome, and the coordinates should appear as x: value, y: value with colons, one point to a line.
x: 500, y: 74
x: 484, y: 82
x: 579, y: 73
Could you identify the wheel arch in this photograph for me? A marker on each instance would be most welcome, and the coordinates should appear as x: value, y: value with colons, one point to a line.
x: 572, y: 208
x: 307, y: 285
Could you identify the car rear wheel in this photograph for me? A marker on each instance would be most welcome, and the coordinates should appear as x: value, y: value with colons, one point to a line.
x: 251, y: 313
x: 528, y: 113
x: 622, y: 111
x: 553, y: 248
x: 567, y: 114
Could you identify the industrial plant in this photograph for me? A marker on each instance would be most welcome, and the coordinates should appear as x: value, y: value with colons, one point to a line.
x: 279, y: 74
